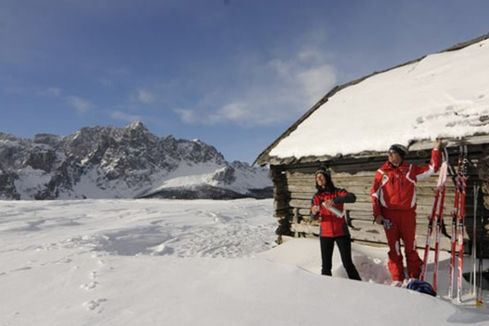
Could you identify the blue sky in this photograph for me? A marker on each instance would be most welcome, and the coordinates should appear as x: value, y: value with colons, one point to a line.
x: 233, y: 73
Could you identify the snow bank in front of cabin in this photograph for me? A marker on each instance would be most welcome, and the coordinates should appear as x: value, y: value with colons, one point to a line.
x: 181, y: 262
x: 442, y: 95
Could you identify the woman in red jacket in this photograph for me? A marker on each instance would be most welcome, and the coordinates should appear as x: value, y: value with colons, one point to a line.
x: 327, y: 206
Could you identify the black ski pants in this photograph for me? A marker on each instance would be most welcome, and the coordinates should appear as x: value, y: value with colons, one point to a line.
x: 344, y: 245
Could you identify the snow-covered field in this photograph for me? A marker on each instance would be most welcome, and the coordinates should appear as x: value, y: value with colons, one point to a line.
x: 203, y: 262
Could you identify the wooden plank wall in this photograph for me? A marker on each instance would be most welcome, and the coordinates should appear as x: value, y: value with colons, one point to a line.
x: 296, y: 188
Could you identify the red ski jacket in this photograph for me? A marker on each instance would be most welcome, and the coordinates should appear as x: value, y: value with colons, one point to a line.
x: 395, y: 187
x: 330, y: 224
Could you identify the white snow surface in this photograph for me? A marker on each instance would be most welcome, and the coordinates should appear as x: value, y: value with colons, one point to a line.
x: 201, y: 262
x: 31, y: 181
x: 187, y: 176
x: 442, y: 95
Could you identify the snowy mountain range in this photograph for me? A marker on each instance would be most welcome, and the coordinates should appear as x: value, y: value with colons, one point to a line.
x: 130, y: 162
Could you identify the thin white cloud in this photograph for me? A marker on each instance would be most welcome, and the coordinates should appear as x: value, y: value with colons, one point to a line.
x: 81, y: 105
x: 106, y: 82
x: 122, y: 116
x: 316, y: 81
x: 144, y: 96
x: 271, y: 92
x: 187, y: 116
x: 310, y: 55
x: 234, y: 111
x: 51, y: 92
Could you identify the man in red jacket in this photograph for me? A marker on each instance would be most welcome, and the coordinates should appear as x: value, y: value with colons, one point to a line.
x: 394, y: 206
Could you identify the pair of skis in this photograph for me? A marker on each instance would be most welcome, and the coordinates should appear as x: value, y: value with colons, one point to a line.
x: 458, y: 225
x: 435, y: 221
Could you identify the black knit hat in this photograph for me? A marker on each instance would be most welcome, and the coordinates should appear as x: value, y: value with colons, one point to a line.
x: 322, y: 170
x: 327, y: 175
x: 399, y: 149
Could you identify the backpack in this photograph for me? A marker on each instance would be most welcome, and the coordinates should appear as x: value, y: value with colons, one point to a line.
x: 421, y: 286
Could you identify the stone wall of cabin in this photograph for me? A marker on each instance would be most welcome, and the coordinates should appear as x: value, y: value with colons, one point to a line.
x: 294, y: 188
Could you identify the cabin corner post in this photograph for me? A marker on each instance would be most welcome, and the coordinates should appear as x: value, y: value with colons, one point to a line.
x: 281, y: 200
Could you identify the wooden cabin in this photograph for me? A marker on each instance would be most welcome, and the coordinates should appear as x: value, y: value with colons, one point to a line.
x: 321, y: 138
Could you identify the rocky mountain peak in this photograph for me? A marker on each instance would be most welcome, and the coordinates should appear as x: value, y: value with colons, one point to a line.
x: 5, y: 137
x: 108, y: 162
x: 47, y: 139
x: 137, y: 125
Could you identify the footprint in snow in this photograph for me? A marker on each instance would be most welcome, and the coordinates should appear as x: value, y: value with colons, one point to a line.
x: 93, y: 305
x: 89, y: 286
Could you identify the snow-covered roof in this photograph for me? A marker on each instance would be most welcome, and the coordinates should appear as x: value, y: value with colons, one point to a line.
x: 440, y: 95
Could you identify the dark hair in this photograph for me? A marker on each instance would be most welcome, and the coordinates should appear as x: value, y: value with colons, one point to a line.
x: 329, y: 186
x: 399, y: 149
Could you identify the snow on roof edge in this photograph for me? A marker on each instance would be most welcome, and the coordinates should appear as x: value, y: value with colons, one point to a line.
x: 416, y: 146
x: 264, y: 157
